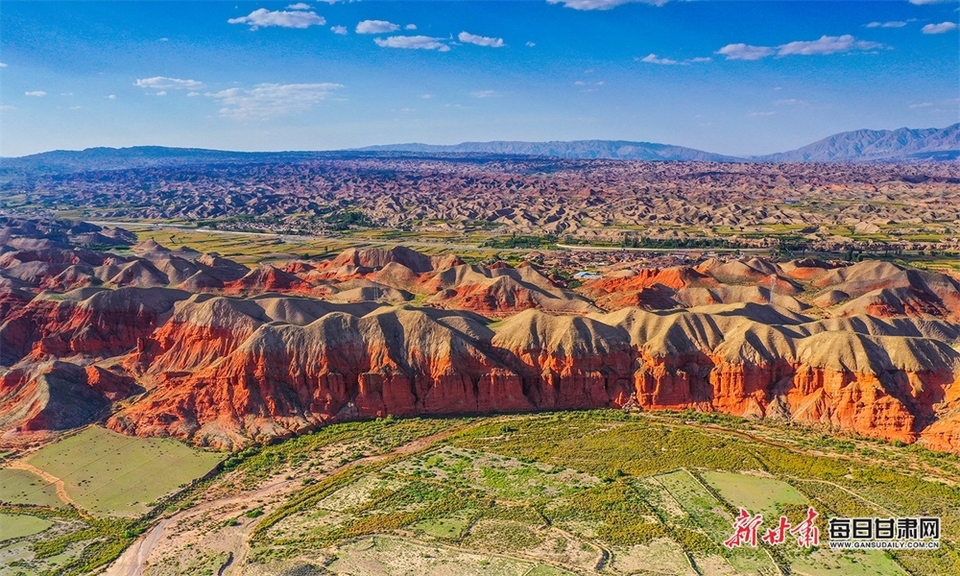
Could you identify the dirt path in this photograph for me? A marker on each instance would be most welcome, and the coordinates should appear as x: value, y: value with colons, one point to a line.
x: 134, y: 559
x: 49, y: 479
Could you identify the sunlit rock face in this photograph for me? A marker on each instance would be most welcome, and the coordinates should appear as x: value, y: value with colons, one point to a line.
x: 205, y: 349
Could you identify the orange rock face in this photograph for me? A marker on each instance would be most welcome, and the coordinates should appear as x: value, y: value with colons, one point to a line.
x: 59, y: 396
x: 879, y: 358
x: 284, y: 380
x: 107, y: 323
x: 257, y: 395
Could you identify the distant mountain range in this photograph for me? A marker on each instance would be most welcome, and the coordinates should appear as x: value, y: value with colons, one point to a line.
x: 102, y: 158
x: 877, y: 145
x: 582, y: 149
x: 903, y: 144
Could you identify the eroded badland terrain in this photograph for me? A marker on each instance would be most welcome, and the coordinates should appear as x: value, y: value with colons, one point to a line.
x: 383, y: 365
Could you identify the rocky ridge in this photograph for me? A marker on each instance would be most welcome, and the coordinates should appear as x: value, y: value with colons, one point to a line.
x: 248, y: 355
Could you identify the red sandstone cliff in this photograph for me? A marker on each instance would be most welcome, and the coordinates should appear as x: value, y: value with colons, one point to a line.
x: 738, y: 338
x: 732, y: 359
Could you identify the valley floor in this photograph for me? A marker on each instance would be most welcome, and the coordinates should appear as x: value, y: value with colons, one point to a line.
x: 552, y: 493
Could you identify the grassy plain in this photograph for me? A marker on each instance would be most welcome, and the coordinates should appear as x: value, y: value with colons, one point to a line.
x: 248, y: 248
x: 110, y: 474
x: 474, y: 243
x: 757, y: 494
x: 12, y: 527
x: 554, y: 493
x: 23, y: 487
x: 111, y: 482
x: 582, y: 491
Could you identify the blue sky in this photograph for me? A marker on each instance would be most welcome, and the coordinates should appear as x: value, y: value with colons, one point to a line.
x: 735, y: 77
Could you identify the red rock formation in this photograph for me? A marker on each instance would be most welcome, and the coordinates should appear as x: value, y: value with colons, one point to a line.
x: 230, y: 370
x: 266, y: 278
x: 58, y: 396
x: 99, y: 323
x: 288, y: 378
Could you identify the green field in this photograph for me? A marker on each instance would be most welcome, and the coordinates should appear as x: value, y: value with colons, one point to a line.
x: 579, y: 490
x: 705, y: 515
x: 243, y: 247
x: 19, y: 526
x: 116, y: 475
x: 22, y: 487
x: 42, y: 542
x: 549, y: 494
x: 449, y: 528
x: 767, y: 496
x: 115, y: 478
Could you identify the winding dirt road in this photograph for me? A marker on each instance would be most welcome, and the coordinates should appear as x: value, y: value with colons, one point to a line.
x: 49, y: 479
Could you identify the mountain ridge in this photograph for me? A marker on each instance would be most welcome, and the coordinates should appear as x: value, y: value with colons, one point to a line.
x: 864, y: 145
x: 876, y: 145
x: 202, y: 348
x: 578, y: 149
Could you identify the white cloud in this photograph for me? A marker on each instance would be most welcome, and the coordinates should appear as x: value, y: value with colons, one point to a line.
x: 589, y: 86
x: 426, y: 96
x: 760, y: 114
x: 602, y: 4
x: 111, y: 96
x: 823, y: 45
x: 792, y: 102
x: 826, y: 45
x: 339, y: 29
x: 939, y: 28
x: 7, y: 108
x: 376, y: 27
x: 75, y: 107
x: 265, y: 101
x: 530, y: 44
x: 193, y: 94
x: 164, y: 83
x: 299, y: 6
x: 484, y: 93
x: 3, y: 64
x: 892, y: 24
x: 487, y: 41
x: 654, y: 59
x: 164, y: 39
x: 263, y: 18
x: 921, y: 105
x: 35, y: 93
x: 745, y: 52
x: 412, y: 43
x: 410, y: 27
x: 161, y: 93
x: 922, y: 2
